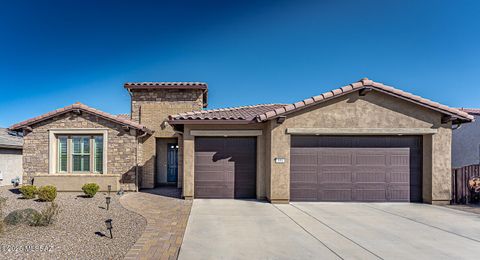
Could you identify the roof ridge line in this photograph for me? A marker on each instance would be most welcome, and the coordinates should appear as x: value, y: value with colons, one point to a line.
x: 364, y: 82
x: 75, y: 106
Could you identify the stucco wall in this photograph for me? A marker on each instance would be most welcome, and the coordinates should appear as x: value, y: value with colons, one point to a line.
x: 151, y: 108
x: 375, y: 110
x: 10, y: 165
x: 121, y: 146
x: 466, y: 144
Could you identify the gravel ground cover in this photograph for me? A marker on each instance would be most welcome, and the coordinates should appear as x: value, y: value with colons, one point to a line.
x: 78, y: 232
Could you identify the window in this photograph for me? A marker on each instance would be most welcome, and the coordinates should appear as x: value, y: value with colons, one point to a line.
x: 80, y: 153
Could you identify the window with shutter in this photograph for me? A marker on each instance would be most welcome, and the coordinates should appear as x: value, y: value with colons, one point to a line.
x: 80, y: 154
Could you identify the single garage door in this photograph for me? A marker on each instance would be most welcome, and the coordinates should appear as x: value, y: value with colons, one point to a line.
x: 225, y: 167
x: 356, y: 168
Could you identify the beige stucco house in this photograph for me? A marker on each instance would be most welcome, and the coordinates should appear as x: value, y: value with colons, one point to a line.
x: 363, y: 142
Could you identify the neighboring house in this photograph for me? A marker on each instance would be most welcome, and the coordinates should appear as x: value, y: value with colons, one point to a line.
x: 362, y: 142
x: 466, y: 142
x: 10, y: 157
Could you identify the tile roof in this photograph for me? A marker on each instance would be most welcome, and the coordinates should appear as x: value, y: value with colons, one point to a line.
x: 82, y: 107
x: 124, y: 116
x: 365, y: 83
x: 244, y: 113
x: 265, y: 112
x: 10, y: 140
x: 471, y: 111
x: 166, y: 85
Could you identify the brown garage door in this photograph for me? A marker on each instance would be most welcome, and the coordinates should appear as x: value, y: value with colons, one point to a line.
x: 355, y: 168
x: 225, y: 167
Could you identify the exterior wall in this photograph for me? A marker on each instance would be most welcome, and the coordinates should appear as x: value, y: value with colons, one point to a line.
x: 188, y: 162
x: 375, y: 110
x: 151, y: 108
x: 121, y: 149
x: 466, y: 144
x: 10, y: 165
x: 71, y: 182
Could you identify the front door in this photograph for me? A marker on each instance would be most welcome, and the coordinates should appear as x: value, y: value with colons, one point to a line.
x: 172, y: 162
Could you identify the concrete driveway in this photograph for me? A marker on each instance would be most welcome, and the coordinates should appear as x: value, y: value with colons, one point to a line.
x: 237, y: 229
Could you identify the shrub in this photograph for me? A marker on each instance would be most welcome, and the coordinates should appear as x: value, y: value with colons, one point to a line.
x: 28, y: 191
x: 90, y: 189
x: 20, y: 216
x: 47, y: 193
x: 47, y: 216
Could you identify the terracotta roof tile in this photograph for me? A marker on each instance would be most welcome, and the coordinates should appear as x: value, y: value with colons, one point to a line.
x: 247, y: 113
x: 268, y: 111
x: 471, y: 111
x: 82, y: 107
x: 166, y: 85
x: 365, y: 82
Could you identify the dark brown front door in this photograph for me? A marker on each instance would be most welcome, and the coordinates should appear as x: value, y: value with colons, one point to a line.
x: 355, y: 168
x: 225, y: 167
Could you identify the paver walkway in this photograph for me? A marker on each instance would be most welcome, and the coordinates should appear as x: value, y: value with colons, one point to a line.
x: 166, y: 216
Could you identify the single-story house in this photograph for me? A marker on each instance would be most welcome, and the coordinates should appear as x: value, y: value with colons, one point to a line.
x: 362, y: 142
x: 466, y: 142
x: 11, y: 145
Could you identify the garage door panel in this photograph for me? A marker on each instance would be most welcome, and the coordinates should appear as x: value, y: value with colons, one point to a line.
x: 335, y: 195
x: 336, y: 176
x: 370, y: 158
x: 399, y: 177
x: 338, y: 157
x: 304, y: 177
x: 370, y: 195
x: 370, y: 177
x: 307, y: 193
x: 368, y: 169
x: 398, y: 193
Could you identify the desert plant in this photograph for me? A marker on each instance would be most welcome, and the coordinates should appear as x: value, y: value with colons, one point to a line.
x: 28, y: 191
x: 47, y: 193
x: 20, y: 216
x: 46, y: 217
x: 90, y: 189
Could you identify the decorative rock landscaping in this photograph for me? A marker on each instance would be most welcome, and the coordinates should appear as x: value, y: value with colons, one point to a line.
x: 78, y: 232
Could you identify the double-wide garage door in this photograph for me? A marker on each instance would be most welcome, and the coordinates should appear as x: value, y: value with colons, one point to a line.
x: 356, y: 168
x: 225, y: 167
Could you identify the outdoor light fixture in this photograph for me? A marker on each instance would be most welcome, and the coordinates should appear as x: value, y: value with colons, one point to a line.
x: 109, y: 189
x: 108, y: 202
x: 108, y: 223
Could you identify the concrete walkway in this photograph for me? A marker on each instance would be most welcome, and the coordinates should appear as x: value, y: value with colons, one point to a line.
x: 166, y: 217
x: 236, y: 229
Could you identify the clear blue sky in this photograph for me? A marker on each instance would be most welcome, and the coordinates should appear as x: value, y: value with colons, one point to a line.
x: 55, y: 53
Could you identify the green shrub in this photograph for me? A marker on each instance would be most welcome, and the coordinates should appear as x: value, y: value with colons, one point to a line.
x: 21, y: 216
x: 90, y: 189
x: 28, y: 191
x: 47, y: 193
x: 47, y: 216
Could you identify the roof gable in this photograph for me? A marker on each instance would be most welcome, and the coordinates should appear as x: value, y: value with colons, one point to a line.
x: 80, y: 107
x: 455, y: 114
